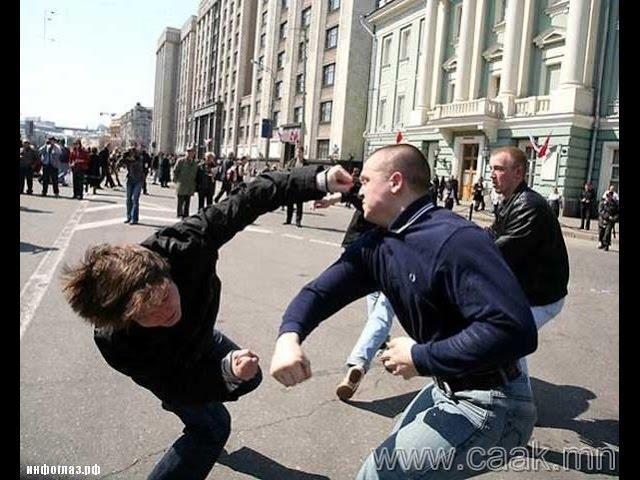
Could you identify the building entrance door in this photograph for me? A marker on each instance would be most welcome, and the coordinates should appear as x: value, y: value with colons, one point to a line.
x: 469, y: 167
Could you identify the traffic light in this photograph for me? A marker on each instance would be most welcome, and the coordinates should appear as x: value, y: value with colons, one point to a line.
x: 267, y: 129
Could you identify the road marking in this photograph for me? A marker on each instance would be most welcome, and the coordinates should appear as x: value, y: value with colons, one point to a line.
x: 119, y: 220
x: 33, y: 291
x: 257, y: 230
x: 295, y: 237
x: 122, y: 205
x: 325, y: 243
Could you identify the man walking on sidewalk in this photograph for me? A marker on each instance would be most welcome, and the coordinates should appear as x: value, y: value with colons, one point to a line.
x: 184, y: 176
x: 50, y: 155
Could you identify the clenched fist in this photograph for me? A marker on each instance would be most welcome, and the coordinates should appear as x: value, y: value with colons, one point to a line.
x: 244, y: 364
x: 397, y: 357
x: 289, y: 365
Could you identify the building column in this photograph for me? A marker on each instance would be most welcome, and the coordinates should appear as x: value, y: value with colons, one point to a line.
x: 572, y: 69
x: 425, y: 79
x: 461, y: 91
x: 524, y: 63
x: 478, y: 44
x: 572, y: 96
x: 443, y: 7
x: 511, y: 50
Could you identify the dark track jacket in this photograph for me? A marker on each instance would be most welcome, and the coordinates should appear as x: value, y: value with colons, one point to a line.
x: 180, y: 364
x: 447, y: 282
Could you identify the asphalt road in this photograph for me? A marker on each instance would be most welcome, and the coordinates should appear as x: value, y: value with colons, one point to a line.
x: 75, y: 410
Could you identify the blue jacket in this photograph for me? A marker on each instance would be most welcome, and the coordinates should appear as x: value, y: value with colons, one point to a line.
x: 450, y: 287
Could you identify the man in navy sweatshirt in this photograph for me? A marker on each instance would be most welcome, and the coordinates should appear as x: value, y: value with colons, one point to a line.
x: 466, y: 316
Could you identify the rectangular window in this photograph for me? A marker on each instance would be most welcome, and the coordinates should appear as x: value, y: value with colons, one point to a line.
x: 328, y: 75
x: 263, y: 40
x: 405, y: 37
x: 323, y: 149
x: 259, y: 85
x: 306, y: 17
x: 451, y: 86
x: 334, y: 5
x: 501, y: 8
x: 264, y: 19
x: 278, y: 89
x: 257, y: 108
x: 240, y: 133
x: 281, y: 60
x: 276, y: 119
x: 301, y: 52
x: 386, y: 50
x: 399, y: 110
x: 300, y: 83
x: 285, y: 4
x: 325, y: 111
x: 552, y: 79
x: 615, y: 170
x: 256, y: 129
x: 297, y: 115
x: 457, y: 22
x: 332, y: 38
x: 283, y: 30
x: 382, y: 106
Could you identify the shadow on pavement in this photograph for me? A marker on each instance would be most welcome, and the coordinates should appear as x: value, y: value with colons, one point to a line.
x: 253, y: 463
x: 33, y: 210
x: 31, y: 248
x: 558, y: 407
x: 387, y: 407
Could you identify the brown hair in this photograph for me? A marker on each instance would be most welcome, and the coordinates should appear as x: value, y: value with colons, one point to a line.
x: 113, y: 284
x: 518, y: 156
x: 409, y: 161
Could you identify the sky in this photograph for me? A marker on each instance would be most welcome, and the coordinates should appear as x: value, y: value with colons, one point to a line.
x: 97, y: 56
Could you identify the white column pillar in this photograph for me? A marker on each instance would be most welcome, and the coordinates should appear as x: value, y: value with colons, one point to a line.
x: 511, y: 48
x: 465, y: 47
x: 443, y: 7
x: 572, y: 69
x: 525, y: 53
x: 425, y: 78
x: 478, y: 46
x: 572, y: 95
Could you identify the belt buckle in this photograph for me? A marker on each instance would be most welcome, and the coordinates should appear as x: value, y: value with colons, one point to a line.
x: 445, y: 387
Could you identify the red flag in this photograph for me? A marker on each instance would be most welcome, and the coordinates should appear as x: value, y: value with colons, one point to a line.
x: 399, y: 137
x: 543, y: 149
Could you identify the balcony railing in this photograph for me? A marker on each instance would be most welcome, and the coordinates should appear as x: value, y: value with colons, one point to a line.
x: 481, y: 106
x: 525, y: 107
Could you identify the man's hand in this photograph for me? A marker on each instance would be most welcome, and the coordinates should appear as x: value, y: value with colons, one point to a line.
x: 339, y: 180
x: 244, y: 364
x: 289, y: 365
x: 397, y: 357
x: 327, y: 201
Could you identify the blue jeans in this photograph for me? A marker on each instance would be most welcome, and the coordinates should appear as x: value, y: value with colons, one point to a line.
x: 133, y: 199
x: 541, y: 315
x: 375, y: 331
x: 206, y: 429
x: 462, y: 426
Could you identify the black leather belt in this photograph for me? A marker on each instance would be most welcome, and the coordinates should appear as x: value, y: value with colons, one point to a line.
x: 486, y: 380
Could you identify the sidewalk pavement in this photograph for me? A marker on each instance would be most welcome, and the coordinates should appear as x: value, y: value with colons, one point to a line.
x: 570, y: 225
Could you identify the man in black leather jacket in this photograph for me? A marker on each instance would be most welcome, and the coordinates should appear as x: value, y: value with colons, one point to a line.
x: 529, y: 236
x: 154, y: 307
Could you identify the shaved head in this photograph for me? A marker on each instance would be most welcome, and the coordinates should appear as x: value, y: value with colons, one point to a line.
x: 407, y: 160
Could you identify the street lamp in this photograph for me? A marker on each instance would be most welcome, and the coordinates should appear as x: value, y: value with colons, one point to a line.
x: 46, y: 18
x: 260, y: 66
